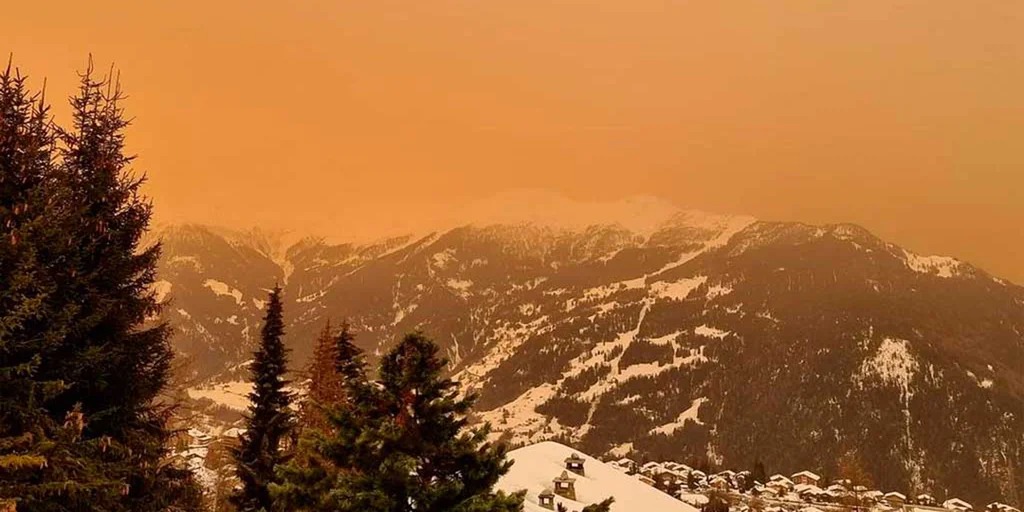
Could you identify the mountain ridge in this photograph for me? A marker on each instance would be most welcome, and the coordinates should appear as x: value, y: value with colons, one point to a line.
x: 711, y: 339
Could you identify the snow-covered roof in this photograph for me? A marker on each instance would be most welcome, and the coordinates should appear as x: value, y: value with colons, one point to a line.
x: 1003, y: 507
x: 808, y: 489
x: 534, y: 467
x: 956, y: 504
x: 807, y: 474
x: 895, y: 495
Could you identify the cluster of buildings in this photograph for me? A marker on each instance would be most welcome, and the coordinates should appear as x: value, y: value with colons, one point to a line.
x: 563, y: 485
x: 804, y: 491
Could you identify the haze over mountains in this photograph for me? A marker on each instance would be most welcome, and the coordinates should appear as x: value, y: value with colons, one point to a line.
x: 638, y: 328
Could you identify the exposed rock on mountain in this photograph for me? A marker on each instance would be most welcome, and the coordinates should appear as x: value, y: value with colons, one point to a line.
x: 704, y: 338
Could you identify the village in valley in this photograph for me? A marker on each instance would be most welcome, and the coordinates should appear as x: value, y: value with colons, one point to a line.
x: 575, y: 481
x: 804, y: 491
x: 559, y: 478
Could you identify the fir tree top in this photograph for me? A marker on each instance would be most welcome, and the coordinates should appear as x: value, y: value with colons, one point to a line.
x: 270, y: 419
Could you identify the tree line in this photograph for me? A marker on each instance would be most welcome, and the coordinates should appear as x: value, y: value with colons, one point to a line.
x: 399, y: 442
x: 85, y: 360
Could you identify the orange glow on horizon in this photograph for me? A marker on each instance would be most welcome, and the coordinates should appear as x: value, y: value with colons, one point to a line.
x: 365, y: 117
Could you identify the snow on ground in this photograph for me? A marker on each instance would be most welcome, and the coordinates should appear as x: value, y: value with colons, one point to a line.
x: 536, y: 466
x: 710, y: 332
x: 893, y: 364
x: 229, y: 394
x: 520, y: 416
x: 221, y: 288
x: 942, y: 266
x: 460, y: 286
x: 687, y: 415
x: 161, y: 289
x: 677, y: 290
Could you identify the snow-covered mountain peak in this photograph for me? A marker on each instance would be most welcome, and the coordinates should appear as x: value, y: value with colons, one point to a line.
x: 642, y: 215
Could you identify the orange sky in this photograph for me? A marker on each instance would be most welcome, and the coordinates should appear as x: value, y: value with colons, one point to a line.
x: 360, y: 116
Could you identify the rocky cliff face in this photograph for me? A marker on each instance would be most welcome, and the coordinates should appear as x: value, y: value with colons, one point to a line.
x: 703, y: 338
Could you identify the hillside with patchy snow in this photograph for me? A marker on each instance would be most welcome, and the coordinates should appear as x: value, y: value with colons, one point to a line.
x: 683, y: 335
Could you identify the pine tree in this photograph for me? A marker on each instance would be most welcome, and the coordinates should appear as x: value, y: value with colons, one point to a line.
x: 336, y: 359
x: 404, y: 444
x: 851, y: 468
x: 718, y: 501
x: 759, y: 474
x: 26, y: 167
x: 337, y: 366
x: 604, y: 506
x: 81, y: 323
x: 115, y: 361
x: 269, y: 421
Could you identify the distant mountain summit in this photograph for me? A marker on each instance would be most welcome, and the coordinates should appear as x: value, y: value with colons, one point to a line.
x: 687, y: 336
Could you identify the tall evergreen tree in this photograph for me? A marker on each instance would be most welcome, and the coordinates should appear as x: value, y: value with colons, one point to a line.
x: 270, y: 420
x: 404, y: 444
x: 115, y: 360
x: 97, y: 367
x: 337, y: 367
x: 325, y: 383
x: 26, y: 168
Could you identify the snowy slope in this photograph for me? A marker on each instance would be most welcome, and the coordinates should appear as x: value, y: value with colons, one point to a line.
x: 634, y: 330
x: 536, y: 465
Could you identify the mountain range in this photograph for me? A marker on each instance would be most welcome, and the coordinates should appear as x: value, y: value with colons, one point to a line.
x: 707, y: 339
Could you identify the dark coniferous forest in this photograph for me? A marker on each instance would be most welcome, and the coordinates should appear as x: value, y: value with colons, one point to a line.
x: 87, y: 411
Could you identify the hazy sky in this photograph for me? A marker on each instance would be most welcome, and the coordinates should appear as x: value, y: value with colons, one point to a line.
x: 360, y: 116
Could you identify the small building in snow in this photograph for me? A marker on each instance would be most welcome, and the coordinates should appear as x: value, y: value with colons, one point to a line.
x: 957, y: 504
x: 546, y: 499
x: 806, y: 478
x: 895, y: 499
x: 565, y: 486
x: 574, y: 463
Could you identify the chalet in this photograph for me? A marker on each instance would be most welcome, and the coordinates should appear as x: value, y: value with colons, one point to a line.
x: 645, y: 479
x: 650, y: 468
x: 565, y: 486
x: 780, y: 480
x: 779, y: 485
x: 926, y: 500
x: 873, y: 496
x: 720, y: 482
x: 806, y: 477
x: 547, y: 499
x: 837, y: 489
x: 669, y: 482
x: 810, y: 492
x: 627, y: 464
x: 957, y: 504
x: 574, y: 463
x: 743, y: 478
x: 895, y: 499
x: 1001, y: 507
